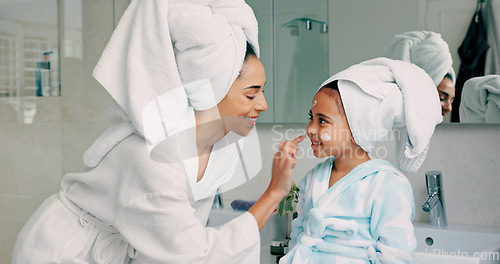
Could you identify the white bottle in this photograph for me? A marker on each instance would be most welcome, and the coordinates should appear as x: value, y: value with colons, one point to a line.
x: 55, y: 88
x: 45, y: 74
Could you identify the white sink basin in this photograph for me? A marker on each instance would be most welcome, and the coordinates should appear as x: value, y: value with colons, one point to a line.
x: 456, y: 244
x: 274, y: 229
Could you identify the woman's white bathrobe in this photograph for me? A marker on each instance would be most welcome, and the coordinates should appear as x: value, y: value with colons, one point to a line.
x: 365, y: 217
x: 148, y: 203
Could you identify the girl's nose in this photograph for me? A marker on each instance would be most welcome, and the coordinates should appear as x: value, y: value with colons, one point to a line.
x: 311, y: 130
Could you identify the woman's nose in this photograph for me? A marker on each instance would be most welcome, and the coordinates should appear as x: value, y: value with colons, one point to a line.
x: 447, y: 106
x: 261, y: 104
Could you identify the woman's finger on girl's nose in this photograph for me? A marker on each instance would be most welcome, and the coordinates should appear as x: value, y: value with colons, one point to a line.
x: 299, y: 139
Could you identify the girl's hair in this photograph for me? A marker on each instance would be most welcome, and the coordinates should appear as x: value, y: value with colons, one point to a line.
x: 329, y: 89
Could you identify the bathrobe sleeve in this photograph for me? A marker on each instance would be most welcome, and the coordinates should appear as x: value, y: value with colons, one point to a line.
x: 154, y: 215
x: 297, y: 223
x: 391, y: 222
x: 163, y: 229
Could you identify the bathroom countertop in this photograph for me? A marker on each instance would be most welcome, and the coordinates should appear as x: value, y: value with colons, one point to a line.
x: 459, y: 227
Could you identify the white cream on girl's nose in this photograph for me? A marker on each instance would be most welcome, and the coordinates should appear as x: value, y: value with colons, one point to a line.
x: 325, y: 137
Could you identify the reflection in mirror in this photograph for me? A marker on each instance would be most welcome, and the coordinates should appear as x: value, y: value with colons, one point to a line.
x: 357, y: 35
x: 481, y: 100
x: 301, y: 56
x: 293, y: 38
x: 479, y: 56
x: 29, y: 57
x: 430, y: 52
x: 29, y: 48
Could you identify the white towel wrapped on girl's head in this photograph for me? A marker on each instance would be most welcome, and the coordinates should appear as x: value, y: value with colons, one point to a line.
x: 167, y: 55
x: 381, y: 94
x: 426, y: 49
x: 481, y: 100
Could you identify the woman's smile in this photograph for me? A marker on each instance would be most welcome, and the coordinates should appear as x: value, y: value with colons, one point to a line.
x: 251, y: 120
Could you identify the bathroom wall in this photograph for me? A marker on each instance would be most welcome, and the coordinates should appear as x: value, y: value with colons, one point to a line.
x: 34, y: 157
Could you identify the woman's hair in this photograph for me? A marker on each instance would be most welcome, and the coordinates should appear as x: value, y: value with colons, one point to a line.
x: 448, y: 75
x: 329, y: 89
x: 250, y: 51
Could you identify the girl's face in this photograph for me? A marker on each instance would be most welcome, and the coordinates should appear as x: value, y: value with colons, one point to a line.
x: 328, y: 129
x: 446, y: 91
x: 245, y: 99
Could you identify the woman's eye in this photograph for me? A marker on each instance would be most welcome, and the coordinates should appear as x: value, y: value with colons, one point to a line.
x: 310, y: 115
x: 322, y: 121
x: 250, y: 97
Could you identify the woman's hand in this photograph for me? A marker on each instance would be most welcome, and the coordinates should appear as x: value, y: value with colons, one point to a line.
x: 283, y: 163
x: 281, y: 181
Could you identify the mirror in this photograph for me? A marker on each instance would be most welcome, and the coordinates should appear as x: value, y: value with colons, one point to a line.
x: 29, y: 48
x: 302, y: 43
x: 356, y: 32
x: 450, y: 18
x: 29, y: 60
x: 293, y: 38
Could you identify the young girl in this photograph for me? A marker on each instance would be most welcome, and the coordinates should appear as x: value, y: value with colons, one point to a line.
x: 354, y: 209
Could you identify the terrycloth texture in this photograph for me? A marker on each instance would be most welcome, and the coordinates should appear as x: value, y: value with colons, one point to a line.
x: 159, y: 60
x: 120, y: 129
x: 148, y: 203
x: 365, y: 215
x: 381, y: 94
x: 426, y: 49
x: 481, y: 100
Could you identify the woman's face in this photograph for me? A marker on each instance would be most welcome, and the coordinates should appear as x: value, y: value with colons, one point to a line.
x: 245, y: 99
x: 328, y: 129
x: 446, y: 91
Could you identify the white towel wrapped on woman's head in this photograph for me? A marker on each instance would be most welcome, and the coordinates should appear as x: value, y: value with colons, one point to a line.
x: 481, y: 100
x: 426, y: 49
x: 381, y: 94
x: 167, y: 55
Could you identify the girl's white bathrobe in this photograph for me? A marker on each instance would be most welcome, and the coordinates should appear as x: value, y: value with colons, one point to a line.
x: 145, y: 215
x: 365, y: 217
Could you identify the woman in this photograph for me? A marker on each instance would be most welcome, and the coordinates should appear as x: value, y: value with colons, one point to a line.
x: 184, y: 89
x: 429, y: 51
x: 446, y: 90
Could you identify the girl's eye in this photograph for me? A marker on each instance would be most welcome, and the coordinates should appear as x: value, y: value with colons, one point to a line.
x: 441, y: 99
x: 322, y: 121
x: 310, y: 115
x: 251, y: 97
